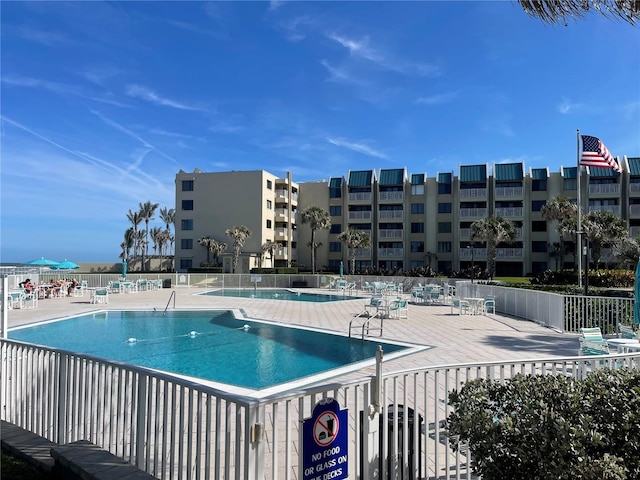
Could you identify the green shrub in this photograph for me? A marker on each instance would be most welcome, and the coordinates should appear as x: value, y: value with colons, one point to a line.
x: 550, y: 427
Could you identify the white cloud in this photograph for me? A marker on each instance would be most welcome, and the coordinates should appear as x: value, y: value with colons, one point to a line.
x: 144, y: 93
x: 437, y: 99
x: 566, y: 106
x: 356, y: 147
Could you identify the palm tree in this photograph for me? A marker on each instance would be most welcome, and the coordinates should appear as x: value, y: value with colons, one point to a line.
x: 168, y: 216
x: 239, y: 235
x: 156, y: 232
x: 129, y: 241
x: 269, y: 247
x: 354, y: 239
x: 317, y: 218
x: 147, y: 210
x: 206, y: 243
x: 217, y: 249
x: 560, y: 209
x: 135, y: 219
x: 559, y: 11
x: 603, y: 228
x: 492, y: 230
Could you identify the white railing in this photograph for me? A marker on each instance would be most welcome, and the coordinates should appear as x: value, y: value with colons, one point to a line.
x: 390, y: 252
x: 634, y: 187
x: 360, y: 215
x: 360, y: 197
x: 615, y: 209
x: 509, y: 191
x: 509, y: 212
x: 473, y: 193
x: 282, y: 214
x: 391, y: 214
x: 473, y: 212
x: 478, y: 253
x: 174, y: 428
x: 396, y: 196
x: 391, y: 233
x: 634, y: 231
x: 466, y: 232
x: 604, y: 188
x: 634, y: 209
x: 509, y: 252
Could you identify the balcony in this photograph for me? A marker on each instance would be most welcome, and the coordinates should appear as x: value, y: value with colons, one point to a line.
x: 391, y: 233
x: 509, y: 192
x: 478, y: 253
x: 281, y: 254
x: 509, y: 212
x: 615, y: 209
x: 605, y: 189
x: 394, y: 196
x: 465, y: 233
x: 473, y: 212
x: 281, y: 234
x: 282, y: 215
x: 634, y: 188
x: 282, y: 195
x: 360, y: 215
x: 363, y: 252
x: 360, y: 197
x: 479, y: 193
x: 509, y: 252
x: 390, y: 252
x: 634, y: 209
x: 391, y: 214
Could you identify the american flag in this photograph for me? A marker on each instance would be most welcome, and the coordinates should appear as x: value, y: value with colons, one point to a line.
x: 595, y: 154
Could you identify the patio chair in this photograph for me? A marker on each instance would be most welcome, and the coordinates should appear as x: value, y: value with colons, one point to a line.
x: 398, y: 308
x: 80, y: 289
x: 592, y: 334
x: 100, y: 295
x: 462, y: 306
x: 489, y: 305
x: 593, y: 348
x: 627, y: 331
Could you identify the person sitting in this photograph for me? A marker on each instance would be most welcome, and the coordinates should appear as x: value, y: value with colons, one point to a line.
x: 27, y: 285
x: 71, y: 286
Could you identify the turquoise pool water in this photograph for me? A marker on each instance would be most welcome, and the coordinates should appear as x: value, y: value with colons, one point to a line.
x: 212, y: 345
x: 278, y: 294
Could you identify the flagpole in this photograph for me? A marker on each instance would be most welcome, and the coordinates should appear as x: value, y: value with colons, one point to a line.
x: 579, y: 229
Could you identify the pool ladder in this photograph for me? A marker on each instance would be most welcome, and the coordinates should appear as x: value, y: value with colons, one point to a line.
x: 173, y: 295
x: 366, y: 324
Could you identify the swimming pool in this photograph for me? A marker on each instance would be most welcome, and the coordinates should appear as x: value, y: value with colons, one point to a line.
x: 277, y: 294
x: 210, y: 345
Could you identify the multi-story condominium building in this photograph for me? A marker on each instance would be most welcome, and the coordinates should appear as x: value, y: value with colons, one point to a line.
x: 207, y: 204
x: 418, y: 221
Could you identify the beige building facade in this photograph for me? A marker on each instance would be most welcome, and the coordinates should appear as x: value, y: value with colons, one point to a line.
x: 413, y: 220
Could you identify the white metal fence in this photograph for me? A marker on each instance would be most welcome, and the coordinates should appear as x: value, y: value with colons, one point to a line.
x: 177, y: 429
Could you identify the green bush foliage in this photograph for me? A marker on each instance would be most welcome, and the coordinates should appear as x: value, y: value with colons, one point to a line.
x: 550, y: 427
x: 597, y: 278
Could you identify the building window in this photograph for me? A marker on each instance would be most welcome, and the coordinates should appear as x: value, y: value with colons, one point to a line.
x: 186, y: 244
x: 417, y: 246
x: 187, y: 204
x: 335, y: 192
x: 539, y: 247
x: 335, y: 210
x: 417, y: 208
x: 187, y: 185
x: 417, y: 189
x: 538, y: 226
x: 444, y: 227
x: 185, y: 263
x: 417, y: 227
x: 186, y: 224
x: 416, y: 264
x: 570, y: 184
x: 269, y: 204
x: 335, y: 246
x: 444, y: 188
x: 269, y: 184
x: 444, y: 207
x: 444, y: 247
x: 268, y: 223
x: 539, y: 185
x: 336, y: 228
x: 536, y: 205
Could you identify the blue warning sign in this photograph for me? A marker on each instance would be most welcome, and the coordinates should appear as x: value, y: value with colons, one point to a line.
x: 325, y: 442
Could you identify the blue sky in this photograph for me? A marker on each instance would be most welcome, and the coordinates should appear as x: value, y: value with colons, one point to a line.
x: 103, y: 103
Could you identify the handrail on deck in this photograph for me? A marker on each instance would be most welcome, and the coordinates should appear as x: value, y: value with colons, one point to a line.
x: 173, y: 295
x: 366, y: 327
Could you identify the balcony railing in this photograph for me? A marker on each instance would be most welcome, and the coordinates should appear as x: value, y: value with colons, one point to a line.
x: 391, y: 233
x: 634, y: 188
x: 478, y: 253
x: 615, y: 209
x: 282, y: 194
x: 282, y: 214
x: 509, y: 252
x: 473, y: 212
x: 604, y: 188
x: 473, y: 193
x: 360, y: 215
x: 391, y: 214
x: 363, y: 252
x: 466, y: 233
x: 360, y: 197
x: 390, y: 252
x: 509, y: 192
x: 396, y: 196
x: 281, y: 234
x: 509, y: 212
x: 634, y: 209
x: 634, y: 231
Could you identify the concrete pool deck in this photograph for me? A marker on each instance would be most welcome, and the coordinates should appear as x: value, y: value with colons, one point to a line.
x: 455, y: 338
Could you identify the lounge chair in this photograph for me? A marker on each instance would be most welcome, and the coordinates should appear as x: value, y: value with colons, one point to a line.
x: 592, y: 342
x: 627, y: 331
x: 100, y: 295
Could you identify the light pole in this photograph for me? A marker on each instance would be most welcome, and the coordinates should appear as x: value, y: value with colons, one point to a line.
x: 471, y: 248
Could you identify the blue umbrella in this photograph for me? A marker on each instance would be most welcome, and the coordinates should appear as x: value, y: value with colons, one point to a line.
x: 65, y: 265
x: 636, y: 306
x: 341, y: 270
x: 42, y: 262
x: 124, y: 268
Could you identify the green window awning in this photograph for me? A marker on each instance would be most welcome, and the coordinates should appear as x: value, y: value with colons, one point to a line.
x: 360, y: 178
x: 634, y: 166
x: 445, y: 177
x: 335, y: 182
x: 539, y: 173
x: 473, y: 173
x: 597, y: 172
x: 391, y: 176
x: 570, y: 172
x: 417, y: 179
x: 508, y: 171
